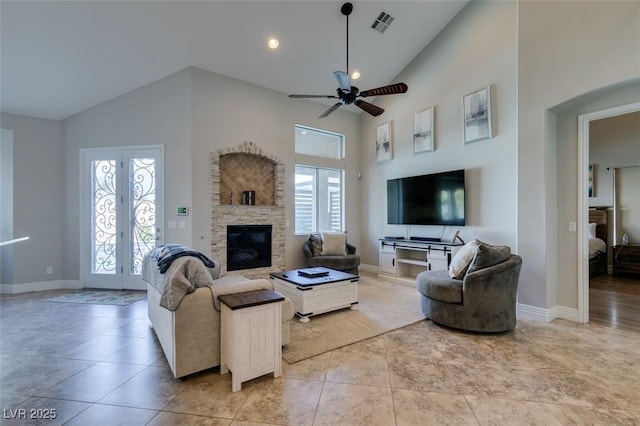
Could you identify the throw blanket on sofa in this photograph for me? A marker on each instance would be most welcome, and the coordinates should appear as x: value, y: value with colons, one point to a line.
x: 167, y: 253
x: 188, y: 274
x: 182, y: 278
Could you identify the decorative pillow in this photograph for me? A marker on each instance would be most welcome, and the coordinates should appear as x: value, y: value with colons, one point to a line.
x: 592, y: 230
x: 315, y: 241
x: 464, y: 256
x: 487, y: 255
x: 334, y: 244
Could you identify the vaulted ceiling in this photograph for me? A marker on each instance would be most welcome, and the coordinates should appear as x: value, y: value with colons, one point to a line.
x: 61, y: 57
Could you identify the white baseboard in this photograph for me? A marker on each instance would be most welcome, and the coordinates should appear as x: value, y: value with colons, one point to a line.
x: 532, y: 313
x: 563, y: 312
x: 546, y: 315
x: 40, y: 286
x: 368, y: 268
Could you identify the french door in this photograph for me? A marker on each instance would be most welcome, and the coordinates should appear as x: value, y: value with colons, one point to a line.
x: 121, y: 214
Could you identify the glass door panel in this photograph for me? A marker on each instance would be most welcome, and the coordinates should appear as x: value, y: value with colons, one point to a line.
x: 122, y: 213
x: 142, y: 211
x: 103, y: 217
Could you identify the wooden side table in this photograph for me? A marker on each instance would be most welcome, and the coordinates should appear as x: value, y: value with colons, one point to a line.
x: 250, y: 335
x: 626, y: 259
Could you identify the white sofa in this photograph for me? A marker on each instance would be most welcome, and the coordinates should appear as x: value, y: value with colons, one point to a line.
x: 190, y: 334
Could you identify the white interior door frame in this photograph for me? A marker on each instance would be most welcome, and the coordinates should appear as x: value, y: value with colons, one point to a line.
x: 584, y: 120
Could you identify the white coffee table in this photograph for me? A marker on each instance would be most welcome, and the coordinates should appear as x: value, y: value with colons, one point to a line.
x: 317, y: 295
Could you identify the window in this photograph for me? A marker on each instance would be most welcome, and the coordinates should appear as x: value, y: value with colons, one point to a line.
x: 318, y: 199
x: 319, y: 143
x: 319, y: 192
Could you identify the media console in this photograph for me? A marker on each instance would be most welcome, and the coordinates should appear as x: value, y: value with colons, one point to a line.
x: 403, y: 260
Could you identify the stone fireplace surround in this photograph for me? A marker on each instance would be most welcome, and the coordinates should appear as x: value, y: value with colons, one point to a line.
x: 238, y: 214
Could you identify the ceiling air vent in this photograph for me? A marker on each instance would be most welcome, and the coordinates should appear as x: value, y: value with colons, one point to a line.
x: 382, y: 22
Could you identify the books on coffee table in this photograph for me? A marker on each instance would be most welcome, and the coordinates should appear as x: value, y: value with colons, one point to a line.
x: 313, y: 272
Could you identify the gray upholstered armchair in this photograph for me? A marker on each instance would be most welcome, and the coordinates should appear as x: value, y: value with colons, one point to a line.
x: 483, y: 300
x: 336, y: 254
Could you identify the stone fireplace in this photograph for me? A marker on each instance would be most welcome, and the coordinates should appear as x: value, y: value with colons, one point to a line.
x: 237, y: 170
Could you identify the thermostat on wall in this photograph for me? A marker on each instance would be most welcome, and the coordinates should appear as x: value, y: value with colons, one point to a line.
x: 182, y: 211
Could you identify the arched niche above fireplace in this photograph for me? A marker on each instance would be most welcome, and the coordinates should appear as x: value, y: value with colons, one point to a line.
x: 247, y: 172
x: 245, y: 168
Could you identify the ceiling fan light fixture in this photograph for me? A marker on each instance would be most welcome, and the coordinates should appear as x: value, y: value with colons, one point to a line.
x: 273, y: 43
x: 347, y: 94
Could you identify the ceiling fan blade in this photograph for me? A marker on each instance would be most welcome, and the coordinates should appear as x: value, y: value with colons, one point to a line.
x: 344, y: 80
x: 330, y: 110
x: 391, y: 89
x: 370, y: 108
x: 314, y: 96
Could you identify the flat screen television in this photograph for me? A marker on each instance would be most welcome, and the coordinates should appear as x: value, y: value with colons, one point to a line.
x: 434, y: 199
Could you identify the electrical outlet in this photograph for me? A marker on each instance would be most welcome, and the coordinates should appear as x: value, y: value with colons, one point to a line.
x: 49, y: 270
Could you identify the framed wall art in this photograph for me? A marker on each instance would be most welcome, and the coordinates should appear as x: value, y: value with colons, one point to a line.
x: 477, y: 115
x: 423, y: 131
x: 384, y: 144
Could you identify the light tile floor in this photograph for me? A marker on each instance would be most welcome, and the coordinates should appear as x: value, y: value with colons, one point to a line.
x: 102, y: 365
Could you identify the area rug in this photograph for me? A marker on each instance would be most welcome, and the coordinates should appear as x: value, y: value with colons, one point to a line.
x: 383, y: 306
x: 101, y: 297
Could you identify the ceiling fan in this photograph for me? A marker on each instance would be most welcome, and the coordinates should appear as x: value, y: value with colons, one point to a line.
x: 348, y: 94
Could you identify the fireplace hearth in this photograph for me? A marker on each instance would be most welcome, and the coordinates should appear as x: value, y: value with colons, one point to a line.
x: 248, y: 246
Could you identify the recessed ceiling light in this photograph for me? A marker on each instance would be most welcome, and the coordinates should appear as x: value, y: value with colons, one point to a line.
x: 355, y: 75
x: 273, y: 43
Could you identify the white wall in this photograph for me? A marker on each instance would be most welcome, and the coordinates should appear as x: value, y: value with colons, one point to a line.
x: 6, y: 204
x: 477, y: 49
x: 227, y: 112
x: 613, y: 142
x: 565, y: 49
x: 38, y: 198
x: 628, y: 205
x: 158, y: 113
x: 193, y: 113
x: 565, y: 148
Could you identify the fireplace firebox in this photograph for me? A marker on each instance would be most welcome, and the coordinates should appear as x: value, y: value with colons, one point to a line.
x: 248, y: 246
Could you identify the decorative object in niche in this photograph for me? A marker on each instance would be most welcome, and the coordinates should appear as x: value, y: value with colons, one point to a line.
x: 423, y: 131
x: 249, y: 198
x: 477, y: 115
